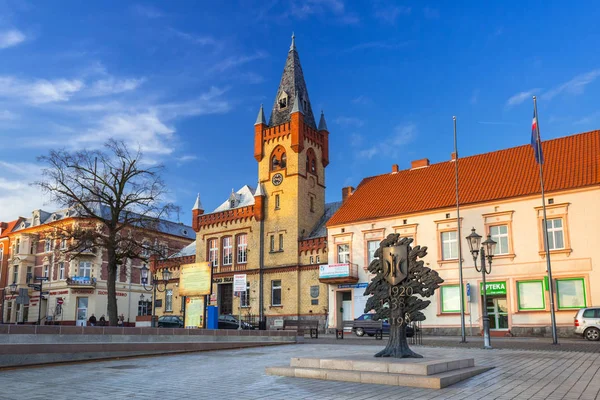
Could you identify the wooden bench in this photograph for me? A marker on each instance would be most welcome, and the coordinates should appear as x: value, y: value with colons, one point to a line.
x: 300, y: 325
x: 365, y: 324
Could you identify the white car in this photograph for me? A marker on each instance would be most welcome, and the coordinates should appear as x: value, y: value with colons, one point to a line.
x: 587, y: 323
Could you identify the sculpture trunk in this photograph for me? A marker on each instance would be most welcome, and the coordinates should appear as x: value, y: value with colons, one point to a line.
x: 397, y: 344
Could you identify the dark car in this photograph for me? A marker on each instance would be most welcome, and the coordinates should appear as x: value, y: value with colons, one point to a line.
x: 229, y: 322
x: 386, y: 327
x: 170, y: 321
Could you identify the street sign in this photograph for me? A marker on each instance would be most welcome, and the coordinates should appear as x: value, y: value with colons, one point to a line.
x: 468, y: 289
x: 45, y: 293
x: 59, y: 301
x: 35, y: 287
x: 41, y: 278
x: 239, y: 283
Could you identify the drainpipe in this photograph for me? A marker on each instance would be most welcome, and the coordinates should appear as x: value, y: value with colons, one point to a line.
x: 261, y: 261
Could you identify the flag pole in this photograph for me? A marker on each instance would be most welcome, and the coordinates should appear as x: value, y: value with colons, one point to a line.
x: 463, y: 338
x: 538, y: 150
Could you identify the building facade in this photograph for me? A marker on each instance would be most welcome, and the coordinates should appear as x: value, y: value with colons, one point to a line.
x: 500, y: 196
x: 274, y: 232
x: 76, y: 285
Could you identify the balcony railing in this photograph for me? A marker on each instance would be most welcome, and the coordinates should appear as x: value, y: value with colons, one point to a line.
x: 81, y: 281
x: 338, y: 273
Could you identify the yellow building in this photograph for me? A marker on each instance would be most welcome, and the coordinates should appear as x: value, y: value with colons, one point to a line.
x: 274, y: 232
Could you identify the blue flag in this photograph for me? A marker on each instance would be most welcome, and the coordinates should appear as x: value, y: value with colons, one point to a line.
x: 536, y: 142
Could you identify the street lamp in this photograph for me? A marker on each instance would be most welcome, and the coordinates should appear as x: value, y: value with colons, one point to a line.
x: 155, y: 286
x: 486, y: 252
x: 13, y: 291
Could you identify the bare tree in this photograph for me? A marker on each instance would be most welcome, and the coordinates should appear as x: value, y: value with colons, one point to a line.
x: 116, y: 200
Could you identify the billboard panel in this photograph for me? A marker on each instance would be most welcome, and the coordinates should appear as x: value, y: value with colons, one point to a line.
x: 195, y: 279
x: 194, y: 312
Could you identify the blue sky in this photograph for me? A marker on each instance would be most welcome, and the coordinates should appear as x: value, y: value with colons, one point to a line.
x: 185, y: 81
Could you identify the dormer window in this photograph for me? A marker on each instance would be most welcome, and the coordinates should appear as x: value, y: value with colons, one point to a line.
x: 232, y: 203
x: 283, y: 101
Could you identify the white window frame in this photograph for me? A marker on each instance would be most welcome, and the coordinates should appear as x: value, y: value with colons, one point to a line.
x: 46, y: 270
x: 446, y: 238
x: 281, y: 242
x: 343, y: 253
x: 61, y: 270
x: 497, y: 236
x: 16, y: 274
x: 63, y: 244
x: 169, y: 300
x: 227, y: 251
x: 553, y: 233
x: 213, y: 252
x: 48, y: 246
x: 242, y: 248
x: 275, y: 287
x: 86, y: 267
x: 245, y: 297
x: 318, y: 259
x: 371, y: 252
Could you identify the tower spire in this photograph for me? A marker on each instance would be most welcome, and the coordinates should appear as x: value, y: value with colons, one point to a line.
x: 292, y: 89
x: 198, y: 204
x: 322, y: 123
x: 260, y: 119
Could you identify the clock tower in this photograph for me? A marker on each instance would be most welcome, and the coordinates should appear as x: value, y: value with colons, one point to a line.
x: 292, y: 152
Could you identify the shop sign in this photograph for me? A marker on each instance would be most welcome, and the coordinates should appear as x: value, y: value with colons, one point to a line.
x: 493, y: 288
x: 353, y: 285
x: 82, y: 291
x: 118, y: 294
x: 239, y: 283
x: 334, y: 271
x: 223, y: 280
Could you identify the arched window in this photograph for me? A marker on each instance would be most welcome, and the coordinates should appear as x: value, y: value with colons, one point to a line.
x: 278, y: 158
x: 311, y: 161
x: 283, y: 160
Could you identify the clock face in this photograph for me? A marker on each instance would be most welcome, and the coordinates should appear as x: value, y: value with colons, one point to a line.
x: 277, y: 179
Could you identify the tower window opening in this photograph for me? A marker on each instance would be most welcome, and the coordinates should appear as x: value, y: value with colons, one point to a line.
x: 283, y: 160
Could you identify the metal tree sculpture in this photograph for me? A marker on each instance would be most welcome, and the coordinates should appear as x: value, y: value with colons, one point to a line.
x: 399, y: 277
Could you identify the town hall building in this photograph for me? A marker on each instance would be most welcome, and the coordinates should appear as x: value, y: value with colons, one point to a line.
x: 274, y: 231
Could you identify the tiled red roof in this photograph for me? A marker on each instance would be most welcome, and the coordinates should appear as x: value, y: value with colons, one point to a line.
x: 9, y: 227
x: 570, y: 162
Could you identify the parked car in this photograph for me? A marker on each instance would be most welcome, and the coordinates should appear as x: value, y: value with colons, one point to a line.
x: 587, y: 323
x: 386, y: 327
x: 230, y: 322
x: 170, y: 321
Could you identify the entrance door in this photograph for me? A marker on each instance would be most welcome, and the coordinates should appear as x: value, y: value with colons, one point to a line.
x: 82, y: 308
x: 347, y: 306
x: 225, y: 300
x: 498, y: 312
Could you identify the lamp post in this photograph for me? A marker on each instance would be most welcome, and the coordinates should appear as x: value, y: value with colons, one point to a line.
x: 486, y: 251
x: 13, y: 291
x: 155, y: 287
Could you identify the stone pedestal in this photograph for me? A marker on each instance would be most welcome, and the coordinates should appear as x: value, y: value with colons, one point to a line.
x: 423, y: 373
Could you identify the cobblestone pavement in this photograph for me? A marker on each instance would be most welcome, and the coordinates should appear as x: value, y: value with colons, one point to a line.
x: 234, y: 374
x: 523, y: 343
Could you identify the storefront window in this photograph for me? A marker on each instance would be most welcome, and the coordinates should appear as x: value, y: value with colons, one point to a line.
x: 450, y: 298
x: 531, y: 295
x: 570, y: 293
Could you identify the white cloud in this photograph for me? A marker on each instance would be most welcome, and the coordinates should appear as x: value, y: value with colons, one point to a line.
x: 145, y: 130
x: 235, y: 61
x: 349, y: 121
x: 6, y: 115
x: 574, y: 86
x: 39, y: 91
x: 390, y: 14
x: 111, y: 85
x: 11, y: 38
x: 19, y: 197
x: 391, y: 146
x: 521, y: 97
x: 196, y: 39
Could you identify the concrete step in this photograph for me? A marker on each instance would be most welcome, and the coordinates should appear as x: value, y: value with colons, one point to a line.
x: 436, y: 381
x: 406, y: 366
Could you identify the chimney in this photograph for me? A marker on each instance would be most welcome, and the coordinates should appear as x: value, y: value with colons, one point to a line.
x: 453, y: 156
x: 394, y: 168
x: 347, y: 192
x: 424, y: 162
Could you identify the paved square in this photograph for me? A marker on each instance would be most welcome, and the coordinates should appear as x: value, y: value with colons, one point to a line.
x: 241, y: 374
